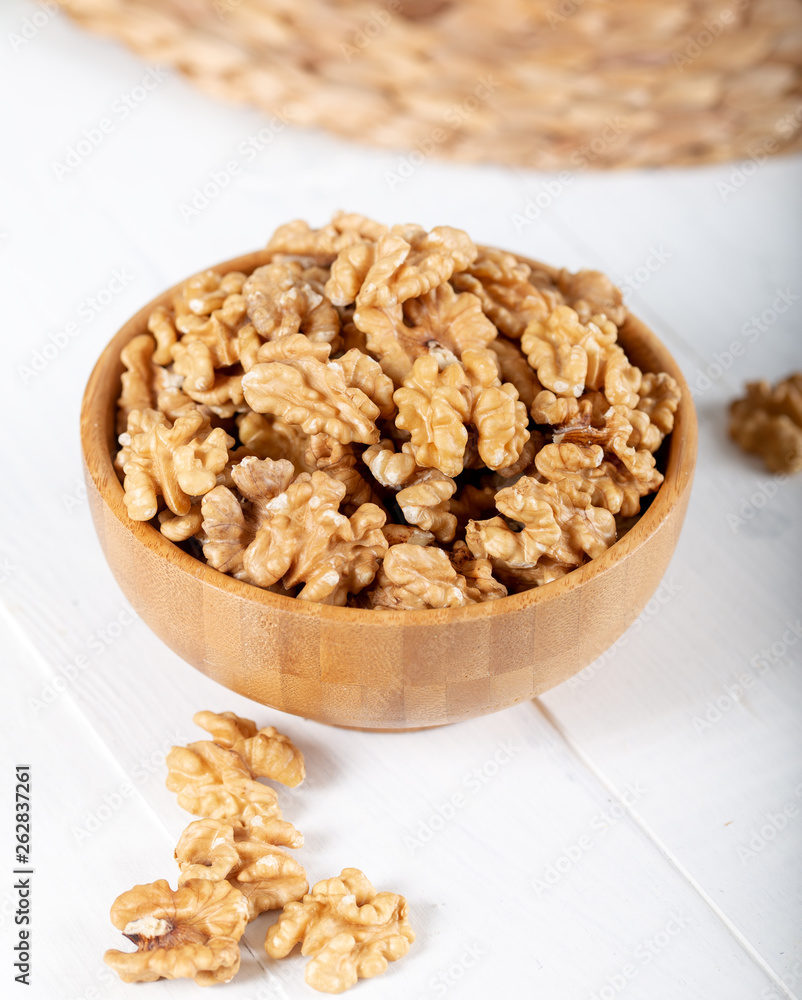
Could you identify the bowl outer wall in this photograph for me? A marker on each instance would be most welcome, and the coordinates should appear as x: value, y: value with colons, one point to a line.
x: 377, y: 669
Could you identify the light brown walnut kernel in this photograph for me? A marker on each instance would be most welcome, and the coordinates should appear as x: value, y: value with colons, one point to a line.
x: 349, y: 929
x: 406, y: 534
x: 305, y: 540
x: 267, y: 876
x: 161, y: 325
x: 215, y: 782
x: 564, y: 528
x: 267, y: 752
x: 390, y: 468
x: 502, y: 283
x: 281, y: 301
x: 178, y: 528
x: 591, y: 292
x: 767, y: 421
x: 583, y: 469
x: 296, y: 382
x: 514, y: 368
x: 267, y: 436
x: 177, y: 461
x: 340, y: 461
x: 659, y: 397
x: 435, y: 407
x: 344, y: 230
x: 192, y: 932
x: 362, y: 372
x: 424, y: 502
x: 615, y: 436
x: 230, y: 527
x: 478, y: 573
x: 406, y: 264
x: 567, y: 353
x: 137, y: 381
x: 413, y: 577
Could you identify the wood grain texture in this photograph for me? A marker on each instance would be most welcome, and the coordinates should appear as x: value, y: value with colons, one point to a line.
x: 376, y: 669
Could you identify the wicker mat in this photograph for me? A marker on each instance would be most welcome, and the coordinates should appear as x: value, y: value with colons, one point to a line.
x: 550, y: 84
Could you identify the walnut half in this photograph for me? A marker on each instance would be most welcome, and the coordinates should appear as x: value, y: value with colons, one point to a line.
x: 350, y: 930
x: 192, y: 932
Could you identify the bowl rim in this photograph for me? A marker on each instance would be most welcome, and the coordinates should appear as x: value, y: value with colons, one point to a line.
x: 97, y: 433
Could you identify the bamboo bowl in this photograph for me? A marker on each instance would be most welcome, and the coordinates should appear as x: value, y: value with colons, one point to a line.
x: 382, y: 670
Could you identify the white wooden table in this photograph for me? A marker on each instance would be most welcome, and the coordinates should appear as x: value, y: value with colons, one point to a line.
x: 634, y: 832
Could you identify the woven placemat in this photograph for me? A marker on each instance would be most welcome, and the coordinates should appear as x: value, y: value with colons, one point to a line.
x: 550, y: 84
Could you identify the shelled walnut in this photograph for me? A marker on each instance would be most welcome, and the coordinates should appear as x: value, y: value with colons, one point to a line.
x: 351, y: 931
x: 768, y: 422
x: 370, y: 388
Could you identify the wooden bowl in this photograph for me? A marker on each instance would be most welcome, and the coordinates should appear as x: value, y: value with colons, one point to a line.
x: 381, y: 669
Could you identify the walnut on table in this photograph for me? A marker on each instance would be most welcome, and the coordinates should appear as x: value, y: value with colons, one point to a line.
x: 215, y: 782
x: 267, y: 752
x: 349, y: 929
x: 192, y: 932
x: 767, y: 421
x: 267, y: 876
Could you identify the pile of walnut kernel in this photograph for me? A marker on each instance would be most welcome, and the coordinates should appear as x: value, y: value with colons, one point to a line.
x: 390, y: 418
x: 233, y: 867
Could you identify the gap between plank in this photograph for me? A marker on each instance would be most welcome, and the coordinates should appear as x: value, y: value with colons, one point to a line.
x: 681, y: 870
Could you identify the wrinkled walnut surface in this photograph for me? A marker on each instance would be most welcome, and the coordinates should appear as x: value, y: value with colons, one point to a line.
x: 191, y: 932
x: 373, y: 388
x: 351, y: 931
